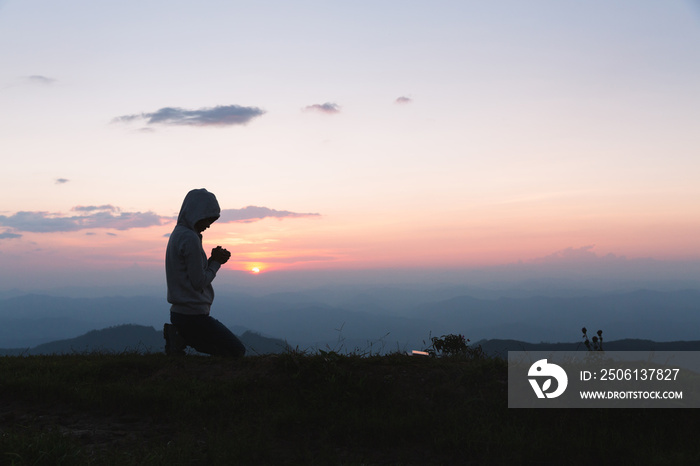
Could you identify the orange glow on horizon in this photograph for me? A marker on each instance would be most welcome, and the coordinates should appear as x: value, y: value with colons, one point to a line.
x: 478, y: 240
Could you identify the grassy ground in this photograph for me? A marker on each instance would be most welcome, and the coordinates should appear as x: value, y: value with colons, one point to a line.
x: 308, y: 409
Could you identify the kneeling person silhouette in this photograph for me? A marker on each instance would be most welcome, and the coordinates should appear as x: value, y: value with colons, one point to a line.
x: 189, y: 275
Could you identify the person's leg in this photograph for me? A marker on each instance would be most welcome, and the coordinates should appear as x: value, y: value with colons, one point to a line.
x: 207, y: 335
x: 174, y: 343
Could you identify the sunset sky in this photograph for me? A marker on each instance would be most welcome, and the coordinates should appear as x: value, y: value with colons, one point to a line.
x: 349, y: 135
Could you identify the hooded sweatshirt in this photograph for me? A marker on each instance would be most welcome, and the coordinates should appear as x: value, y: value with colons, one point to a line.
x: 188, y: 272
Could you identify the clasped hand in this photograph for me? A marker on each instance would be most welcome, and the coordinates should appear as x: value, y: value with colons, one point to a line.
x: 220, y: 255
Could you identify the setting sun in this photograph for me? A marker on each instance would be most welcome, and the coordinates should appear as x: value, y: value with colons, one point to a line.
x: 255, y: 270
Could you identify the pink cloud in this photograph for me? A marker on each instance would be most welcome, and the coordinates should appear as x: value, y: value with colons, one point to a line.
x: 253, y: 214
x: 328, y: 108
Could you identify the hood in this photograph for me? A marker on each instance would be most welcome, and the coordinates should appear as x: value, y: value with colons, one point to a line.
x: 198, y: 204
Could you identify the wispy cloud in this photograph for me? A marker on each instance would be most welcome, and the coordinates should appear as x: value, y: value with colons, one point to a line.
x: 328, y: 108
x: 578, y: 255
x: 284, y: 260
x: 34, y: 80
x: 94, y: 208
x: 223, y: 115
x: 94, y: 217
x: 62, y: 180
x: 403, y: 100
x: 9, y: 235
x: 111, y: 217
x: 38, y: 79
x: 253, y: 214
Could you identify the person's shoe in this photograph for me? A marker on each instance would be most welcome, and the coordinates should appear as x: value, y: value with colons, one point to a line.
x: 174, y: 343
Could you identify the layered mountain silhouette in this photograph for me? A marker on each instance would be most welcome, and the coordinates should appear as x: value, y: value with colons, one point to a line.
x: 134, y: 338
x: 144, y: 339
x: 377, y: 319
x: 501, y: 347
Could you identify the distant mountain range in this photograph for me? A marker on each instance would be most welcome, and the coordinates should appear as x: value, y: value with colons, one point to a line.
x: 378, y: 319
x: 139, y: 338
x: 501, y: 347
x: 134, y: 338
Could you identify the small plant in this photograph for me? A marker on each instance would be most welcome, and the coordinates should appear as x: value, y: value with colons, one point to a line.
x: 595, y: 343
x: 454, y: 345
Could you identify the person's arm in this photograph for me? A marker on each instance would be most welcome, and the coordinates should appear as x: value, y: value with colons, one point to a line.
x: 220, y: 255
x: 200, y: 271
